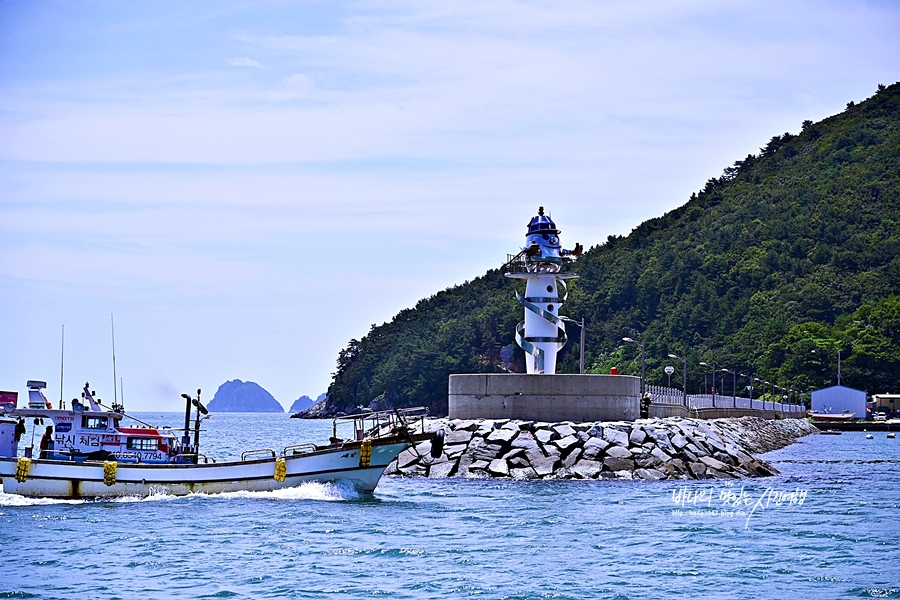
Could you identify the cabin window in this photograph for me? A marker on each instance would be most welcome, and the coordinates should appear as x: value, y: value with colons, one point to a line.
x: 94, y: 422
x: 142, y: 443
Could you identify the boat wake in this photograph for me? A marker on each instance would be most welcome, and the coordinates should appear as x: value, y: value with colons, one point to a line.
x: 340, y: 491
x: 155, y: 495
x: 16, y: 500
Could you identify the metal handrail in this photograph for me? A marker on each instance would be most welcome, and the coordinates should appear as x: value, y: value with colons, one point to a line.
x: 259, y: 451
x: 304, y: 448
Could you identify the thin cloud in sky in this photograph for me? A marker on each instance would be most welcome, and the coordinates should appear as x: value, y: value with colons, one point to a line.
x: 245, y: 217
x: 243, y: 62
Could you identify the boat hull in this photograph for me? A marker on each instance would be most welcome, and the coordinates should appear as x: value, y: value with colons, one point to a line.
x: 64, y: 479
x: 832, y: 418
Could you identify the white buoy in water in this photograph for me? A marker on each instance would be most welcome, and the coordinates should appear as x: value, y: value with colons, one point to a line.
x: 869, y: 436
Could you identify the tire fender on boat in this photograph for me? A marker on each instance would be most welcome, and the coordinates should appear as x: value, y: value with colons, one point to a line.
x: 437, y: 444
x: 109, y: 472
x: 22, y: 468
x: 365, y: 453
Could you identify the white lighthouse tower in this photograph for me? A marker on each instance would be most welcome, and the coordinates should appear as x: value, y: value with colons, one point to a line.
x: 542, y: 334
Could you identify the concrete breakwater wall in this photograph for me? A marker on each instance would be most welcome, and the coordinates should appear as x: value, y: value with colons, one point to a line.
x: 648, y: 449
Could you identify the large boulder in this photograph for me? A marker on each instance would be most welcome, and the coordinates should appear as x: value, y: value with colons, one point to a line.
x: 649, y: 474
x: 458, y: 436
x: 544, y: 466
x: 565, y: 443
x: 594, y: 447
x: 586, y: 469
x: 618, y: 464
x: 499, y: 468
x: 442, y: 469
x: 503, y: 435
x: 615, y: 436
x: 618, y: 452
x: 637, y: 436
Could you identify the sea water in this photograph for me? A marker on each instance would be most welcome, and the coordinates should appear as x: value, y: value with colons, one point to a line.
x: 827, y: 527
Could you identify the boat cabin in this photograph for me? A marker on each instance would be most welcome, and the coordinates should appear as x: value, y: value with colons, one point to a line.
x: 88, y: 431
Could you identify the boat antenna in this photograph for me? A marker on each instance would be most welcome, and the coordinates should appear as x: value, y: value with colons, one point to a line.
x: 127, y: 415
x: 62, y: 362
x: 112, y: 327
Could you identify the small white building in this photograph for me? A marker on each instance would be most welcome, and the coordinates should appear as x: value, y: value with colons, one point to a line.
x: 838, y: 399
x: 888, y: 402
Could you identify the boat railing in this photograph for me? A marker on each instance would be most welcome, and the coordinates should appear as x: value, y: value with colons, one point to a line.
x: 257, y: 454
x: 305, y: 448
x: 191, y: 458
x: 382, y: 422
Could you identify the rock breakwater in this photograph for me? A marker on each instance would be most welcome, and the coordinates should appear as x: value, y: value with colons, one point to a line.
x: 647, y: 449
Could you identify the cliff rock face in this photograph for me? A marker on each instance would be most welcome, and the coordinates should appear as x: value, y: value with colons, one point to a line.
x: 319, y: 410
x: 304, y: 402
x: 243, y: 396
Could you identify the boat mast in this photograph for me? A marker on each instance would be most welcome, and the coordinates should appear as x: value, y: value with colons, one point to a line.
x: 200, y: 409
x: 186, y: 438
x: 62, y: 362
x: 112, y: 327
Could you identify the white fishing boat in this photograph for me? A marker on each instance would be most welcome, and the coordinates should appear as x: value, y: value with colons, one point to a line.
x: 93, y: 455
x: 831, y: 417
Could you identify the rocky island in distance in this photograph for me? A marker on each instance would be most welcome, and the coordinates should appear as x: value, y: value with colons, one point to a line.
x: 249, y: 396
x: 304, y: 402
x: 244, y: 396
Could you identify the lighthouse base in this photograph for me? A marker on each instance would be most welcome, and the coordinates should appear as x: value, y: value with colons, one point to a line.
x: 550, y: 398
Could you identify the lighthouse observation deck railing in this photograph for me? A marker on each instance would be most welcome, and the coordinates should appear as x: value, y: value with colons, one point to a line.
x: 518, y: 263
x: 667, y: 395
x: 515, y: 263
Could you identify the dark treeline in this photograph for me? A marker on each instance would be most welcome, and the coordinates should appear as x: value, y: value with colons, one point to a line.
x: 789, y: 257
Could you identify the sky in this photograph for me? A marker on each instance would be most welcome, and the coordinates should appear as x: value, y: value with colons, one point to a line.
x: 240, y: 188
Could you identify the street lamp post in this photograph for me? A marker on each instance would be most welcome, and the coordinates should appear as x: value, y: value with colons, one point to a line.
x: 643, y: 363
x: 751, y: 393
x: 839, y: 367
x: 733, y: 385
x: 713, y: 380
x: 684, y: 376
x: 581, y: 346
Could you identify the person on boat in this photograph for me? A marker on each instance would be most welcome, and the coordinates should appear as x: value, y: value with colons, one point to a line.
x: 47, y: 442
x: 20, y: 429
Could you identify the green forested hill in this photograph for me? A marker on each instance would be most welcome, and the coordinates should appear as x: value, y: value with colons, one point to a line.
x: 790, y: 256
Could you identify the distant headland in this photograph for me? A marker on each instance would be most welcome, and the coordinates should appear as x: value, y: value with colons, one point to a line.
x: 304, y: 402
